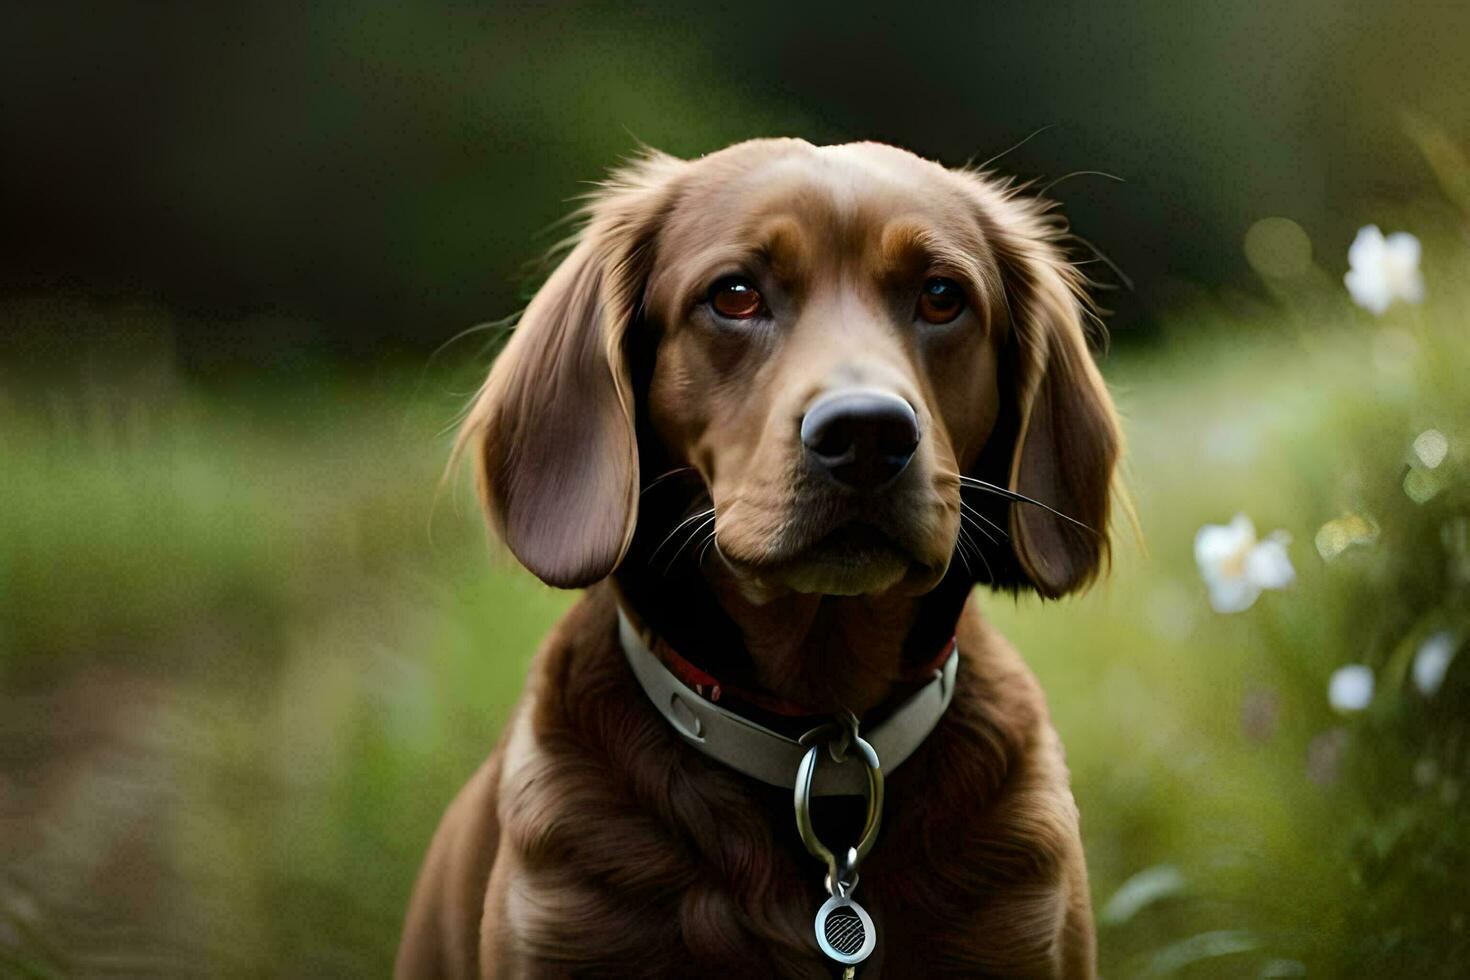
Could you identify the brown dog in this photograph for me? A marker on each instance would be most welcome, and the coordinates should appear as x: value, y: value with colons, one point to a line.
x: 761, y: 406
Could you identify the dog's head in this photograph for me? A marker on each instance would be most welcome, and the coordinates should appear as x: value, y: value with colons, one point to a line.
x: 865, y: 357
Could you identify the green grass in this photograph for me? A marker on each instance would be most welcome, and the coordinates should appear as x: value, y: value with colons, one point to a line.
x: 248, y: 652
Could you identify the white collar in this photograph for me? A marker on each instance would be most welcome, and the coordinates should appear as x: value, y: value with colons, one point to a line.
x: 770, y: 756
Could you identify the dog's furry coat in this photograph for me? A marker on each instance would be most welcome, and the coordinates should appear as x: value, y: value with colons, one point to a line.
x: 594, y: 842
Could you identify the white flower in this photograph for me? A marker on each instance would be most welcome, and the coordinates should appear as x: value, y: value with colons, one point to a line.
x: 1431, y: 447
x: 1383, y: 269
x: 1432, y: 661
x: 1236, y: 567
x: 1351, y: 688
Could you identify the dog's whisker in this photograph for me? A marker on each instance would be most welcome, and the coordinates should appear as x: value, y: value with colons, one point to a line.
x: 979, y: 516
x: 979, y: 552
x: 664, y: 476
x: 1079, y: 173
x: 978, y: 529
x: 697, y: 533
x: 681, y: 525
x: 1122, y: 276
x: 976, y: 484
x: 961, y: 540
x: 975, y: 516
x: 972, y: 483
x: 704, y: 549
x: 962, y: 536
x: 692, y: 535
x: 1014, y: 146
x: 980, y: 555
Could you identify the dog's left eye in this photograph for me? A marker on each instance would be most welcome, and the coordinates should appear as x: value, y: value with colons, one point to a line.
x: 735, y: 298
x: 940, y: 300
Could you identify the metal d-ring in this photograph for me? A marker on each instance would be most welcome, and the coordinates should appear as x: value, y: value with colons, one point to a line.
x: 841, y: 875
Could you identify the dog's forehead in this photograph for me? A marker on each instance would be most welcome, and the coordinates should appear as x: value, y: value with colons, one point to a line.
x: 845, y: 193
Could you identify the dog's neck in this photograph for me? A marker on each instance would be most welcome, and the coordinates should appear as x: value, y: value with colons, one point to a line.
x: 824, y: 652
x: 827, y: 652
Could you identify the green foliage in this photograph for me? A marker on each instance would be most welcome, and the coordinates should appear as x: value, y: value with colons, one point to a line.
x: 1293, y: 838
x: 248, y: 652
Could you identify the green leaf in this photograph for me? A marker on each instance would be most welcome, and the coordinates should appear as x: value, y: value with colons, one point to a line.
x: 1140, y: 891
x: 1205, y: 946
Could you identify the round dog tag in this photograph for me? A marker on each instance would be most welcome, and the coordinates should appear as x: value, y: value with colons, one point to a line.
x: 844, y: 931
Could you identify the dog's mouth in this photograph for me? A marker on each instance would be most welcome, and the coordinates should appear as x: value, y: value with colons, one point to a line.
x: 854, y: 544
x: 856, y: 558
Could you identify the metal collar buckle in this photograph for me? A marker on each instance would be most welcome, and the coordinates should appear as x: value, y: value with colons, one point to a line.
x: 845, y: 931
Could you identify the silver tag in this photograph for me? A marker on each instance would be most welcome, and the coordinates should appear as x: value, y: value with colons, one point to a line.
x: 844, y: 931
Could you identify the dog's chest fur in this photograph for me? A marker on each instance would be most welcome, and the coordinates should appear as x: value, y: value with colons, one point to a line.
x: 624, y: 852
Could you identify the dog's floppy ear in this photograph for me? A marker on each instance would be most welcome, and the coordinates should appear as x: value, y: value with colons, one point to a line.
x: 1067, y: 438
x: 552, y: 429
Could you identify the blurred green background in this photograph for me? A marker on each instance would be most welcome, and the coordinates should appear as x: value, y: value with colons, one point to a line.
x: 249, y: 648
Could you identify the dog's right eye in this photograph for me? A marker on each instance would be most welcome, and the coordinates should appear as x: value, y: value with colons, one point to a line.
x: 941, y: 300
x: 735, y: 298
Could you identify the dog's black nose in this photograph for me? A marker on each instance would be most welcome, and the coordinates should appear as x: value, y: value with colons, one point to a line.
x: 862, y: 437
